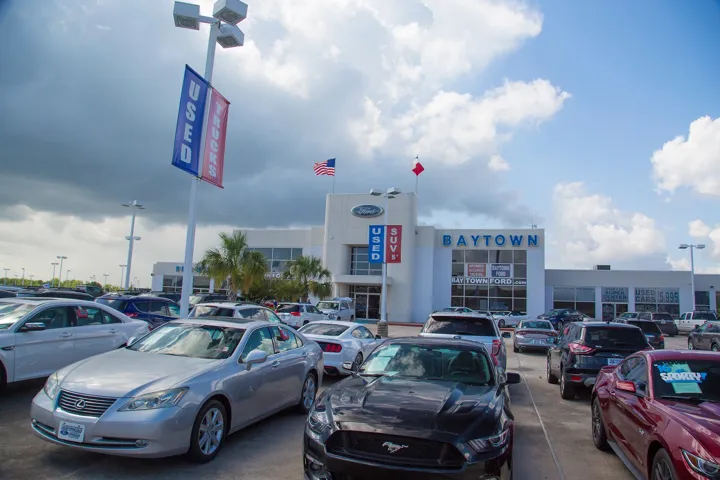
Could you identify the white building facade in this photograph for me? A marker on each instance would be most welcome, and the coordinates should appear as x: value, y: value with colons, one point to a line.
x: 483, y: 269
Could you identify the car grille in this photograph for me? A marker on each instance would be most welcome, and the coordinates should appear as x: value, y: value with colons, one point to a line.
x: 86, y: 405
x: 416, y: 452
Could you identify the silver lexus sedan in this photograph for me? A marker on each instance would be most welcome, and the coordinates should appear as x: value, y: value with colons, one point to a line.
x: 181, y: 389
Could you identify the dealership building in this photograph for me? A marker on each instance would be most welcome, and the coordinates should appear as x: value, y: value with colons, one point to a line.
x: 483, y: 269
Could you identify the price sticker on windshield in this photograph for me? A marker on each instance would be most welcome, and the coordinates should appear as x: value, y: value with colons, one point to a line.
x: 681, y: 377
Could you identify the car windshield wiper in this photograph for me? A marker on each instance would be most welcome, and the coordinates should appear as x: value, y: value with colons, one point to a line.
x: 364, y: 374
x: 686, y: 398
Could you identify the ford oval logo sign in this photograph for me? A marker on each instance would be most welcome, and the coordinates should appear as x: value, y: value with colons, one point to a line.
x: 367, y: 211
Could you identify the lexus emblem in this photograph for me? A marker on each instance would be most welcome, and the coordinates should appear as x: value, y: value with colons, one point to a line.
x: 80, y: 404
x: 393, y: 447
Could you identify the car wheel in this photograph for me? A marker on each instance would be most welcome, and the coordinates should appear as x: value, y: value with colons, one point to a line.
x: 516, y: 349
x: 567, y: 392
x: 307, y: 396
x: 550, y: 377
x: 598, y: 427
x: 560, y: 326
x: 352, y: 318
x: 305, y: 322
x: 357, y: 362
x: 208, y: 432
x: 690, y: 344
x: 714, y: 347
x: 501, y: 323
x: 662, y: 467
x: 3, y: 377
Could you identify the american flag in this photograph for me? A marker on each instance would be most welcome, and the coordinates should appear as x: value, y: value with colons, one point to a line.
x: 325, y: 168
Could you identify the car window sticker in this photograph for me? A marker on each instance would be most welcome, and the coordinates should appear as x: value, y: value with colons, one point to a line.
x: 681, y: 377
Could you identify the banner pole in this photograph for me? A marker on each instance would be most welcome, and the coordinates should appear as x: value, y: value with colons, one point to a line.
x: 333, y: 186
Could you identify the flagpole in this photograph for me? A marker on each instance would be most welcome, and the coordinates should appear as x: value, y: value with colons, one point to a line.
x: 333, y: 191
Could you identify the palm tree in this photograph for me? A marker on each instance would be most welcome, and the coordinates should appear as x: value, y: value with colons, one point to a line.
x: 232, y: 260
x: 310, y: 273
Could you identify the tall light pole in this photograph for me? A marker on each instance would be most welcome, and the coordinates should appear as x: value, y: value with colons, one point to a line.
x: 30, y: 276
x: 61, y: 258
x: 23, y: 277
x: 106, y: 275
x: 135, y: 206
x: 390, y: 193
x: 685, y: 246
x: 223, y: 30
x: 6, y: 270
x: 52, y: 280
x: 67, y: 275
x: 122, y: 269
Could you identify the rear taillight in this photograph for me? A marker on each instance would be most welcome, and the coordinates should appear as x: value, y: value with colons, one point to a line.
x: 580, y: 349
x: 333, y: 348
x: 132, y: 314
x: 295, y: 314
x: 496, y: 347
x: 662, y: 337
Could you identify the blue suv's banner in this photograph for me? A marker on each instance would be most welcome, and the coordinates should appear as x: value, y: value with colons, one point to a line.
x: 189, y: 129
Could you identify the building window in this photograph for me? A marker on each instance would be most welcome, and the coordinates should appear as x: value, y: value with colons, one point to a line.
x: 581, y: 299
x: 359, y: 264
x: 702, y: 300
x: 278, y: 258
x: 664, y: 300
x: 489, y: 280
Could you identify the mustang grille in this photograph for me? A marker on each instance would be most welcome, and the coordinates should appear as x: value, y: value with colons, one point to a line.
x: 86, y: 405
x: 413, y: 452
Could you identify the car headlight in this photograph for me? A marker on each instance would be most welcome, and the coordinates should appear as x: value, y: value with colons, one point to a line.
x: 52, y: 386
x: 318, y: 420
x: 490, y: 443
x: 700, y: 465
x: 151, y: 401
x: 519, y: 335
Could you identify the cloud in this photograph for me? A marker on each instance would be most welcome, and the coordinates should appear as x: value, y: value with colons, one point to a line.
x: 498, y: 164
x: 683, y: 264
x: 699, y: 229
x: 589, y: 230
x: 692, y: 162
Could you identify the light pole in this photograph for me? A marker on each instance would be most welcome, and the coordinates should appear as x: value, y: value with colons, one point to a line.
x: 390, y: 193
x: 6, y: 270
x: 30, y: 276
x: 131, y: 238
x: 692, y: 247
x: 23, y: 277
x: 122, y: 269
x: 61, y: 258
x: 106, y: 275
x: 67, y: 275
x: 52, y: 280
x: 223, y: 30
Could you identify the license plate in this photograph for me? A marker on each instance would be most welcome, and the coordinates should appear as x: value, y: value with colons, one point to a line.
x: 614, y: 361
x: 72, y: 432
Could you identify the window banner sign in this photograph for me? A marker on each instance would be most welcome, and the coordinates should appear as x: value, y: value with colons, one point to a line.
x: 393, y: 247
x: 376, y: 244
x: 215, y: 134
x: 188, y: 131
x: 477, y: 269
x: 501, y: 270
x: 615, y: 294
x: 645, y: 295
x: 486, y: 281
x: 668, y: 295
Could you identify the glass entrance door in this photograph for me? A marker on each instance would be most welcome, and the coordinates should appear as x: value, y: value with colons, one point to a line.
x: 367, y: 301
x: 610, y: 311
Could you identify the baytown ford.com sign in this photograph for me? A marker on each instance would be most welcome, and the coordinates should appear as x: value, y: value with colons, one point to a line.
x: 491, y: 241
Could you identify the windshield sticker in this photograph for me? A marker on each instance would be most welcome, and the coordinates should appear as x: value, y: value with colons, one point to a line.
x: 679, y: 373
x: 686, y: 387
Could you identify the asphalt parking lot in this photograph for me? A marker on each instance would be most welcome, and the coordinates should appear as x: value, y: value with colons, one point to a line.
x: 552, y: 440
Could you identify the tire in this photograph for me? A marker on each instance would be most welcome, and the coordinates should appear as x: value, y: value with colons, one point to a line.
x: 352, y: 318
x: 305, y: 322
x: 501, y: 323
x: 599, y: 435
x: 516, y: 349
x: 308, y: 394
x: 550, y: 377
x: 714, y: 347
x: 214, y: 416
x: 662, y: 467
x: 567, y: 392
x: 358, y: 361
x: 3, y: 377
x: 560, y: 326
x: 690, y: 344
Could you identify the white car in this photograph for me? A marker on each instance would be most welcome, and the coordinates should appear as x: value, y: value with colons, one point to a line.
x: 235, y: 310
x: 341, y: 342
x: 39, y: 336
x: 509, y: 319
x: 299, y: 314
x: 688, y: 321
x: 339, y: 308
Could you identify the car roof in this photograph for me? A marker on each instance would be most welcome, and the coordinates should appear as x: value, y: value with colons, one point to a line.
x: 136, y: 297
x: 235, y: 305
x: 661, y: 355
x: 434, y: 342
x: 225, y: 322
x: 43, y: 300
x: 606, y: 324
x: 472, y: 314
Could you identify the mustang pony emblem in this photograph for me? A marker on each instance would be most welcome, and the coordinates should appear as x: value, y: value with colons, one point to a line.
x: 393, y: 447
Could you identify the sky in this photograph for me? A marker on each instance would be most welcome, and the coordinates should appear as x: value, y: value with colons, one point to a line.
x: 597, y: 120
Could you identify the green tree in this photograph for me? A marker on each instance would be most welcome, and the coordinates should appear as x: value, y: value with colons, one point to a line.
x: 232, y: 260
x: 311, y: 275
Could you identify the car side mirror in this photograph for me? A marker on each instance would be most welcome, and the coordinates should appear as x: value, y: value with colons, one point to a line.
x: 624, y: 386
x: 33, y: 327
x: 512, y: 378
x: 131, y: 340
x: 255, y: 357
x: 506, y: 335
x: 350, y: 366
x: 378, y: 337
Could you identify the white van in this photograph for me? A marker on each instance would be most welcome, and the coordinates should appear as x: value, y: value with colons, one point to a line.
x: 338, y: 308
x: 690, y: 320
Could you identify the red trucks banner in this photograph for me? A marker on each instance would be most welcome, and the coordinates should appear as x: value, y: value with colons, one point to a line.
x: 393, y: 244
x: 215, y: 130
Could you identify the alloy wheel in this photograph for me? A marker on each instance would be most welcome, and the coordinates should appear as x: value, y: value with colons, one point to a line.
x: 210, y: 433
x: 308, y: 395
x: 690, y: 345
x: 714, y: 348
x: 662, y: 471
x: 357, y: 362
x: 595, y: 421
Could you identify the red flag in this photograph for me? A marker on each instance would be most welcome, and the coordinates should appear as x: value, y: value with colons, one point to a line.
x: 417, y: 167
x: 216, y: 128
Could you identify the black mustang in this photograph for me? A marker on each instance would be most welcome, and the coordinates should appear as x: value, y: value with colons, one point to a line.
x: 418, y: 408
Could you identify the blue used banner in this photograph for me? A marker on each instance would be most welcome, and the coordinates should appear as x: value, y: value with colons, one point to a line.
x: 191, y: 116
x: 376, y: 244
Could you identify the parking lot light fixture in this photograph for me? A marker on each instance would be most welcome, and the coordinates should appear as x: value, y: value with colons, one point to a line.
x: 6, y: 270
x: 52, y: 279
x: 228, y: 35
x: 67, y: 275
x: 135, y: 206
x: 692, y: 247
x: 61, y: 258
x: 122, y: 269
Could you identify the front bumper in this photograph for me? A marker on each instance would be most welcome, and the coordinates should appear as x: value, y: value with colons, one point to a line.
x: 318, y: 464
x: 161, y: 433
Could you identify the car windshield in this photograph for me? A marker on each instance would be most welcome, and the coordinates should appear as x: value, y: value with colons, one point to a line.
x: 537, y: 324
x: 629, y: 315
x: 647, y: 327
x: 554, y: 312
x: 195, y: 299
x: 690, y: 381
x: 328, y: 306
x: 326, y: 329
x: 190, y: 340
x: 454, y: 364
x: 289, y: 308
x: 118, y: 305
x: 464, y: 325
x: 12, y: 312
x: 662, y: 316
x: 615, y: 337
x: 204, y: 311
x: 704, y: 316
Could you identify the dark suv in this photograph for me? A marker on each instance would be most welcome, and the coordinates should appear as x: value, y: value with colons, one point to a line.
x: 663, y: 320
x: 559, y: 317
x: 651, y: 330
x: 582, y: 349
x: 155, y: 311
x: 57, y: 293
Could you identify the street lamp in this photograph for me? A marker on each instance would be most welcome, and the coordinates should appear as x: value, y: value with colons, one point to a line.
x: 390, y: 193
x: 52, y: 280
x: 23, y: 277
x: 131, y: 238
x: 122, y: 268
x: 105, y: 275
x: 61, y: 258
x: 6, y: 270
x: 224, y: 31
x: 685, y: 246
x: 67, y: 275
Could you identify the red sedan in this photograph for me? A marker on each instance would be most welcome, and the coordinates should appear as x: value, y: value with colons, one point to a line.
x: 658, y: 411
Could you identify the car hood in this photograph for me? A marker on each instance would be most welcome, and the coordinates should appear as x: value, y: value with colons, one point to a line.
x: 127, y: 373
x: 391, y: 402
x: 701, y: 421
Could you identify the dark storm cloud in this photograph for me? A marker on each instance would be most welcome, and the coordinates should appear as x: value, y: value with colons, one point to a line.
x: 89, y: 111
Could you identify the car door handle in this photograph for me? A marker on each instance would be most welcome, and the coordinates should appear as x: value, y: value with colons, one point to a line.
x: 66, y: 335
x: 112, y: 330
x: 275, y: 364
x: 304, y: 354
